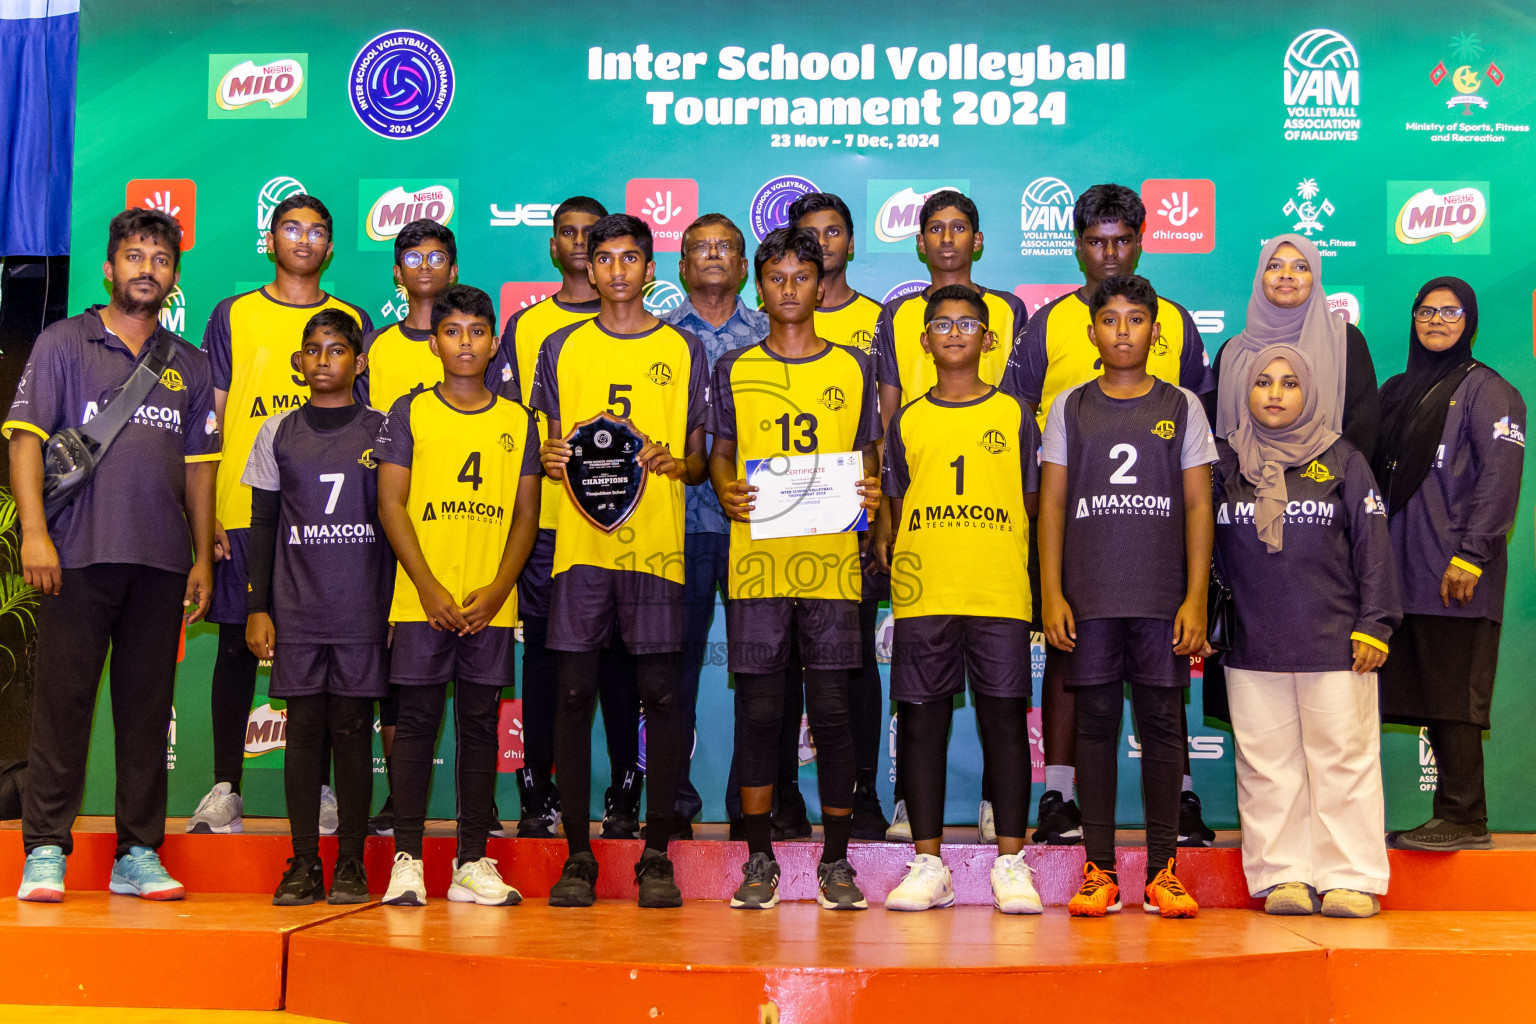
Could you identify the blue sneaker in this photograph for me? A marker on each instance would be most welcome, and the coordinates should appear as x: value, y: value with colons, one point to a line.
x: 140, y: 873
x: 42, y: 880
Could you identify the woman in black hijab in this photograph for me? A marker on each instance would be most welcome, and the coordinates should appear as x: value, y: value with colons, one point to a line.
x: 1448, y: 462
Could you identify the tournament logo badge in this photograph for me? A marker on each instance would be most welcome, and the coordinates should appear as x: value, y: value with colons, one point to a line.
x: 172, y: 380
x: 1045, y: 217
x: 994, y: 442
x: 366, y: 460
x: 257, y: 85
x: 834, y: 399
x: 1317, y: 471
x: 508, y: 442
x: 1438, y: 210
x: 1164, y: 429
x: 1321, y: 83
x: 770, y: 207
x: 898, y: 205
x: 267, y: 199
x: 174, y: 197
x: 659, y: 374
x: 385, y: 206
x: 904, y: 289
x: 401, y: 84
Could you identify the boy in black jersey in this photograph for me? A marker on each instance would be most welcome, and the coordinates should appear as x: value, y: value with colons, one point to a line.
x: 318, y: 600
x: 1125, y: 554
x: 459, y: 500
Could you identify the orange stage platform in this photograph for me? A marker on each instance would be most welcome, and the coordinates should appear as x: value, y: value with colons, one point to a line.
x: 233, y: 950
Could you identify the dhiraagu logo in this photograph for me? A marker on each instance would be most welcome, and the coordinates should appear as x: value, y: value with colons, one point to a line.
x: 258, y: 85
x: 894, y: 207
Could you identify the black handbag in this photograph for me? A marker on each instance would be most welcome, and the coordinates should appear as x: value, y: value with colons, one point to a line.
x: 71, y: 455
x: 1220, y: 615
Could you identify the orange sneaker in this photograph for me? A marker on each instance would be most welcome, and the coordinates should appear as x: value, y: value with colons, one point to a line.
x: 1098, y: 896
x: 1168, y: 897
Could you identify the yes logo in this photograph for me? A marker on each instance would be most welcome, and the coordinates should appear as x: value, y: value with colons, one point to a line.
x: 1181, y: 215
x: 174, y: 196
x: 668, y: 205
x: 257, y: 85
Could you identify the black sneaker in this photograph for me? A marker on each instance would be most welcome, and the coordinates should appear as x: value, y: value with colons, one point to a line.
x: 836, y: 890
x: 621, y: 817
x: 302, y: 884
x: 790, y: 822
x: 760, y: 887
x: 1193, y: 830
x: 578, y: 882
x: 1061, y: 823
x: 349, y: 883
x: 869, y: 820
x: 383, y: 823
x: 1440, y: 836
x: 654, y: 873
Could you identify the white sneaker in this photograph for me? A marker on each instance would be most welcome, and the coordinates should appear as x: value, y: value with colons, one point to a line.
x: 329, y: 821
x: 901, y: 829
x: 219, y: 812
x: 407, y: 884
x: 1013, y: 886
x: 986, y: 826
x: 926, y: 886
x: 480, y: 882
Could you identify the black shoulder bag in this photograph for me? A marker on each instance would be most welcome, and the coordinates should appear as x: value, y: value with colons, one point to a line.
x: 71, y: 455
x: 1220, y: 614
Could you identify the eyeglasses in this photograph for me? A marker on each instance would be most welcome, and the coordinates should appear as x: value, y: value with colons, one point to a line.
x: 436, y: 259
x: 726, y: 249
x: 1450, y: 314
x: 967, y: 325
x: 294, y: 232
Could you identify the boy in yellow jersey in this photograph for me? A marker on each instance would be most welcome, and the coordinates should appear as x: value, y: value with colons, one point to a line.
x: 949, y: 240
x: 400, y: 356
x: 793, y: 394
x: 962, y: 474
x: 1053, y: 354
x: 511, y: 374
x: 846, y: 317
x: 631, y: 365
x: 249, y: 340
x: 459, y: 500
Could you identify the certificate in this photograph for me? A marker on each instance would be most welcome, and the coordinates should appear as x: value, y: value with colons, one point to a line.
x: 803, y: 495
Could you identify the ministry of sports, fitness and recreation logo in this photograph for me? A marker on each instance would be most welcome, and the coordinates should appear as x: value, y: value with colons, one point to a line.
x: 1321, y: 82
x: 1164, y: 429
x: 267, y: 199
x: 386, y: 205
x: 1308, y: 213
x: 995, y: 442
x: 1317, y: 471
x: 661, y: 296
x: 1464, y: 72
x: 898, y: 205
x: 1045, y: 217
x: 508, y: 442
x: 904, y: 289
x: 834, y: 399
x: 659, y: 374
x: 401, y: 84
x: 770, y: 207
x: 1446, y: 218
x: 173, y: 317
x: 1466, y: 51
x: 366, y: 460
x: 257, y: 85
x: 172, y: 380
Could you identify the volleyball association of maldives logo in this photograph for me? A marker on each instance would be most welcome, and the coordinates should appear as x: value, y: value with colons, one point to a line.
x: 1321, y: 82
x: 770, y: 207
x: 401, y: 84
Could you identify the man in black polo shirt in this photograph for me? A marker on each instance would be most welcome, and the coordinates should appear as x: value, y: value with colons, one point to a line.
x: 117, y: 566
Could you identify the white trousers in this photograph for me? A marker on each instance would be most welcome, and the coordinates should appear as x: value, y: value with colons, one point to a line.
x: 1309, y: 779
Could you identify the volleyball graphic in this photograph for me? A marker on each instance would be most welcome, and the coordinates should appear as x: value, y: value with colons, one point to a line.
x: 1320, y: 48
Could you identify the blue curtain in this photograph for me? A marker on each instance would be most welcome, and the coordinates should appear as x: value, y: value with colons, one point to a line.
x: 37, y: 124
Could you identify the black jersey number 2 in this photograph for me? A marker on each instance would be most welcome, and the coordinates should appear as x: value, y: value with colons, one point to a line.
x: 806, y: 424
x: 470, y: 474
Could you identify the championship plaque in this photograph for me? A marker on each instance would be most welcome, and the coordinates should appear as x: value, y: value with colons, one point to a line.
x: 604, y: 477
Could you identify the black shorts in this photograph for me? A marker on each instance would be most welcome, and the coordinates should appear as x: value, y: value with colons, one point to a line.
x: 932, y: 656
x: 758, y: 631
x: 1138, y: 651
x: 340, y: 670
x: 231, y: 582
x: 587, y: 602
x: 533, y: 586
x: 423, y: 656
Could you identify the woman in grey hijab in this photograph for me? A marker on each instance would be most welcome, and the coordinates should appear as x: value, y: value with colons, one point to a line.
x: 1302, y: 541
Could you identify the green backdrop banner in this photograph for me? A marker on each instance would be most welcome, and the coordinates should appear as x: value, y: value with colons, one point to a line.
x: 1396, y: 138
